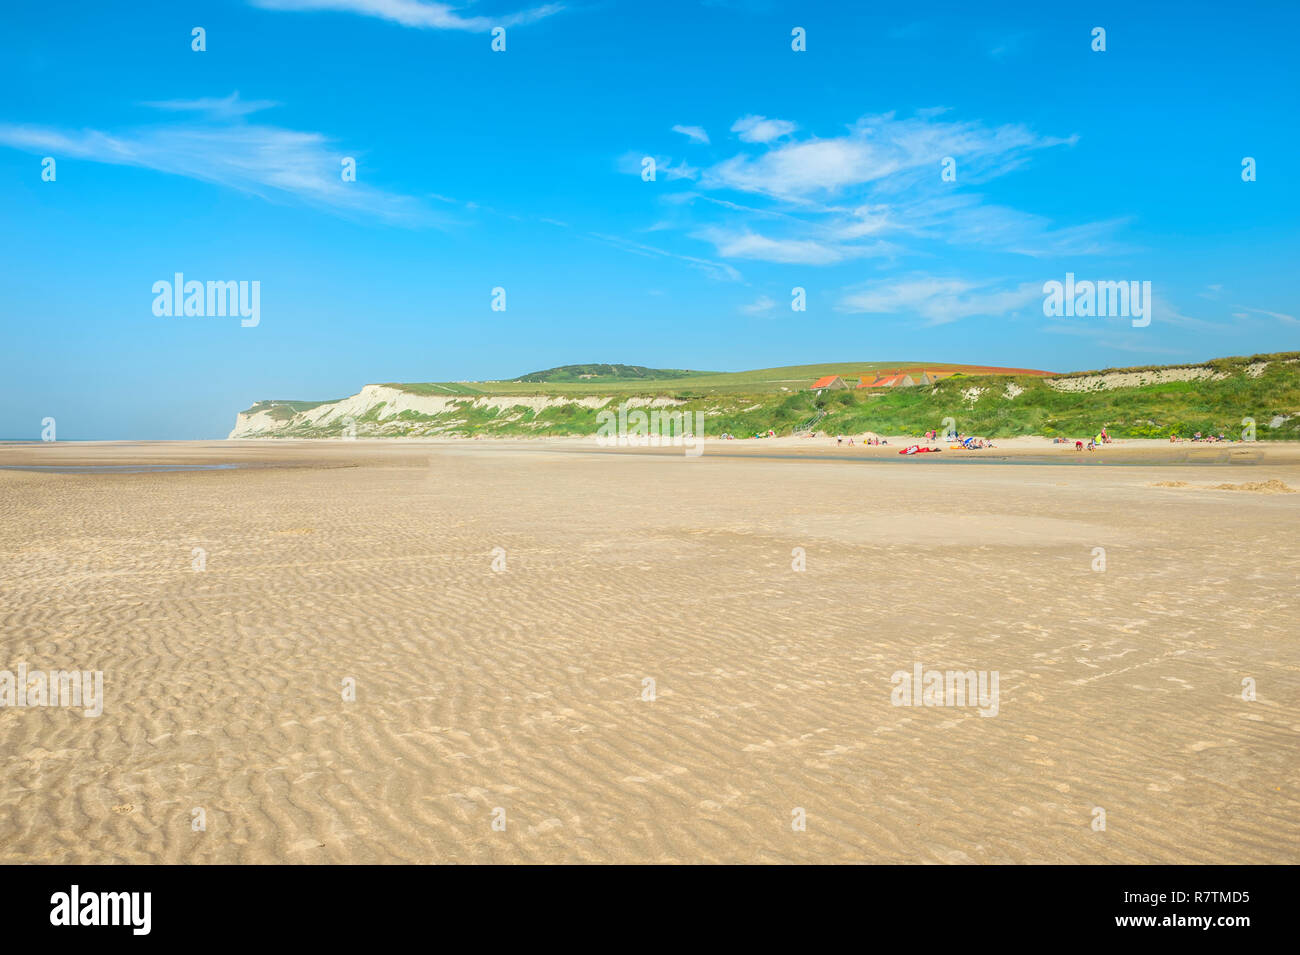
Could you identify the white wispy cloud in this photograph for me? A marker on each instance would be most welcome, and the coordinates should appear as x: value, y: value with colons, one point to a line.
x: 267, y: 161
x: 760, y: 129
x: 1280, y: 316
x: 939, y: 300
x: 744, y: 244
x: 695, y: 134
x: 1164, y: 312
x: 422, y: 14
x: 228, y: 107
x: 875, y: 189
x: 966, y: 219
x: 881, y: 150
x: 716, y: 270
x: 1214, y: 293
x: 760, y: 306
x: 798, y: 169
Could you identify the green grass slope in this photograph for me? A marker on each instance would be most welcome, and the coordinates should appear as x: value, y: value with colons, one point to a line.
x: 658, y: 381
x: 285, y: 410
x: 1271, y: 399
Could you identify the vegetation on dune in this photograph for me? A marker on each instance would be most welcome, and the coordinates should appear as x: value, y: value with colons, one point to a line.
x: 1265, y: 388
x: 1229, y: 365
x: 284, y: 410
x: 983, y: 406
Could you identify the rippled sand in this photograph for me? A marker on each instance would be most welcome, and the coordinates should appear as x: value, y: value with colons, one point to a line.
x: 522, y: 689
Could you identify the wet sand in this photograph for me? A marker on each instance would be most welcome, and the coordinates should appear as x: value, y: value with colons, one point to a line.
x: 521, y: 688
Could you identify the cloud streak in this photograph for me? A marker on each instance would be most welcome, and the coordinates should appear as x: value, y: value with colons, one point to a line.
x: 695, y: 134
x: 715, y: 270
x: 939, y: 301
x: 1280, y: 316
x: 419, y: 14
x: 267, y: 161
x: 760, y: 129
x: 230, y: 107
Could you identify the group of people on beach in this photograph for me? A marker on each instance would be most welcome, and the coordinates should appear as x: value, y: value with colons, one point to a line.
x: 1094, y: 442
x: 867, y: 440
x: 967, y: 442
x: 971, y: 443
x: 727, y: 436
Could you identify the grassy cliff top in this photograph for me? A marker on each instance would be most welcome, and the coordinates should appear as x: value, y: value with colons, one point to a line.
x: 637, y: 379
x: 601, y: 374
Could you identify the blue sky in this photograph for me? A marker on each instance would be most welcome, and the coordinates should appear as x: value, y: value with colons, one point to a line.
x: 522, y: 169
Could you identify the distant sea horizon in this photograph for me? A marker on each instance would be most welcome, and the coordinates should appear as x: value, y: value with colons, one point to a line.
x: 87, y: 440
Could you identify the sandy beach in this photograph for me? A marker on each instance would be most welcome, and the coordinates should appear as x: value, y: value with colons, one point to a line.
x: 499, y: 607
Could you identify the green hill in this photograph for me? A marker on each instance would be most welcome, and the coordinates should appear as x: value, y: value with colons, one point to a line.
x: 569, y: 380
x: 605, y: 373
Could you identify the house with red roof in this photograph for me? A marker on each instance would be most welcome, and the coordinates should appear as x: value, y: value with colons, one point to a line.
x: 895, y: 380
x: 830, y: 382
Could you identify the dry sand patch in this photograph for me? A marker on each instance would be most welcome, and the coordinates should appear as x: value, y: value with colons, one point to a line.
x: 523, y: 689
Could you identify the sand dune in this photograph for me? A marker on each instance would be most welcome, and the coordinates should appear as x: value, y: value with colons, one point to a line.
x: 522, y: 688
